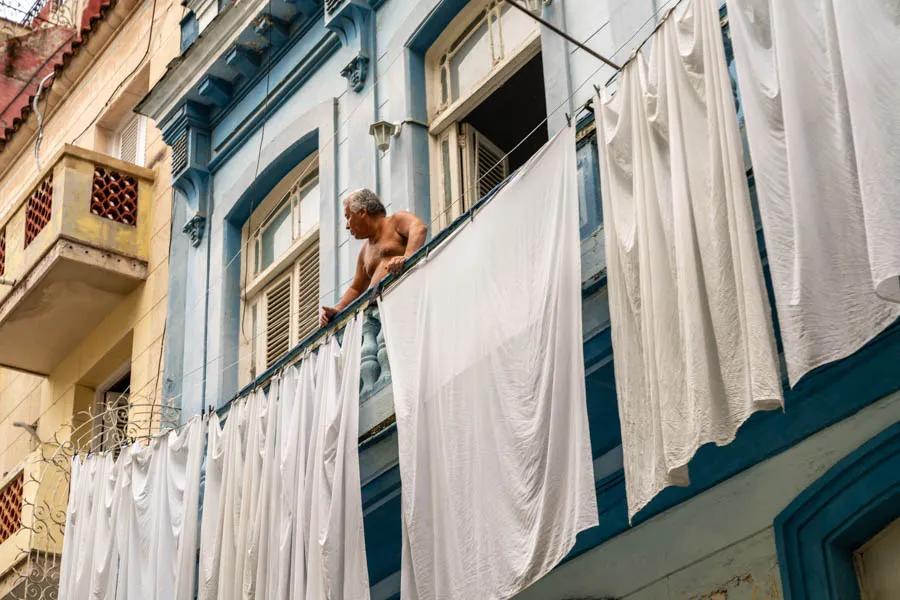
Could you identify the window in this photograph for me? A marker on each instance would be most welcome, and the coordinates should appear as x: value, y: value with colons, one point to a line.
x: 130, y: 140
x: 11, y: 506
x: 281, y: 275
x: 485, y: 95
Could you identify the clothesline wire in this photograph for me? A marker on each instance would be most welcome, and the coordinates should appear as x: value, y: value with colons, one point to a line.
x: 310, y: 343
x: 244, y: 246
x: 634, y: 52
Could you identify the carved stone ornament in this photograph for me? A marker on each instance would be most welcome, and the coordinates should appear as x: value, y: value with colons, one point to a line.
x: 194, y: 228
x: 355, y: 72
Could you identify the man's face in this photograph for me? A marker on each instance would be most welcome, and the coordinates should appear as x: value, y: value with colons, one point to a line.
x: 356, y: 222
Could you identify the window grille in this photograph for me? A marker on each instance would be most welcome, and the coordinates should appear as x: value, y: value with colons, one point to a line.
x: 39, y: 209
x: 11, y: 507
x: 114, y: 196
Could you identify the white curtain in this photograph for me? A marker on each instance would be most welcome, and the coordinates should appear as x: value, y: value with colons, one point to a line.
x: 131, y: 525
x: 335, y: 546
x: 820, y: 88
x: 156, y: 511
x: 282, y: 509
x: 89, y: 559
x: 691, y: 326
x: 484, y: 341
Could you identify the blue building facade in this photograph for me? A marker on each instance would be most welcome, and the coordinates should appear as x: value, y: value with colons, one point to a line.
x: 275, y: 111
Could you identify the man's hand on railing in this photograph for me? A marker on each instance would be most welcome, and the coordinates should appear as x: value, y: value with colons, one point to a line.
x: 326, y: 313
x: 395, y: 265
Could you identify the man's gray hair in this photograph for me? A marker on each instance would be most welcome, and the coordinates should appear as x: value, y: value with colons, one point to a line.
x: 365, y: 200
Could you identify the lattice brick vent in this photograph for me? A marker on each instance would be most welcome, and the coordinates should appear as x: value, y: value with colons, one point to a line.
x: 39, y: 209
x: 114, y: 196
x: 3, y: 251
x: 11, y: 507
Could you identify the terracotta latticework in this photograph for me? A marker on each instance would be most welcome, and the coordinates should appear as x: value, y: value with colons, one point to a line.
x: 11, y: 508
x: 39, y: 209
x: 114, y: 196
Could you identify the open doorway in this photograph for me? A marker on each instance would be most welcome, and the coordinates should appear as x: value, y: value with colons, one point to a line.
x: 510, y: 114
x: 496, y: 137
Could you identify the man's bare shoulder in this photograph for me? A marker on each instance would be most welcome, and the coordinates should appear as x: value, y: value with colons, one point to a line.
x: 403, y: 219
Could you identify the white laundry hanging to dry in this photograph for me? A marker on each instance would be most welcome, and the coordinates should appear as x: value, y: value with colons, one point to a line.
x: 282, y: 510
x: 131, y: 525
x: 820, y: 88
x: 484, y: 341
x: 89, y: 560
x: 691, y: 326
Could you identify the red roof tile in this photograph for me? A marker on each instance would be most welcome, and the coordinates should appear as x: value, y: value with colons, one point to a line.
x: 25, y: 60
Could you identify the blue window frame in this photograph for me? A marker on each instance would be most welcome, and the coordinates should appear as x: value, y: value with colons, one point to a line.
x: 589, y: 208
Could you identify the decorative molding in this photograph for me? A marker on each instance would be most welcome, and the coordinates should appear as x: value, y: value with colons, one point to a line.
x: 355, y: 72
x: 244, y: 60
x: 818, y: 532
x: 217, y: 91
x: 354, y: 23
x: 195, y: 227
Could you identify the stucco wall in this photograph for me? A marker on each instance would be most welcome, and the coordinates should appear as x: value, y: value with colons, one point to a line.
x: 133, y: 331
x: 720, y: 544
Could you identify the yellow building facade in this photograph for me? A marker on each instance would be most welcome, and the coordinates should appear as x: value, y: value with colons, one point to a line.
x: 85, y: 205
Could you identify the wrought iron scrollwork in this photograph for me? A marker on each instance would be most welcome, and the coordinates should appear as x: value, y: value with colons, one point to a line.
x: 108, y: 427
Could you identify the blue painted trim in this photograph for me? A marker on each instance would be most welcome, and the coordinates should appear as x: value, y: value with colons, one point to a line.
x: 190, y: 29
x: 827, y: 396
x: 300, y: 75
x: 217, y: 91
x: 243, y: 60
x: 818, y: 532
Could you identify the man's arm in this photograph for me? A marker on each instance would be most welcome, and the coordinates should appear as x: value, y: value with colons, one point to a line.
x: 414, y: 230
x: 359, y: 285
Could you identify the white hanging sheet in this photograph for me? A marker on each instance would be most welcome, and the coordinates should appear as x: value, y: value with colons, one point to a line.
x: 336, y: 566
x: 158, y: 496
x: 820, y: 88
x: 89, y: 560
x: 282, y: 509
x: 274, y: 563
x: 221, y: 500
x: 485, y: 345
x: 131, y: 524
x: 691, y: 326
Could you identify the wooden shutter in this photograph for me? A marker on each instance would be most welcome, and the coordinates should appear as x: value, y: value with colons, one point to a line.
x: 307, y: 302
x: 485, y: 164
x: 131, y: 141
x: 278, y: 320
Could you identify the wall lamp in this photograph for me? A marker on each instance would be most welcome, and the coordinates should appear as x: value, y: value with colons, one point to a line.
x: 383, y: 131
x: 535, y: 5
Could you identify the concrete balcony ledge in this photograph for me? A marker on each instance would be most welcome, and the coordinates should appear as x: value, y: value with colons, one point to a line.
x: 71, y: 249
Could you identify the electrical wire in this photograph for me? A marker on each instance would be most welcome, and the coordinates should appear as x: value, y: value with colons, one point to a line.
x: 456, y: 201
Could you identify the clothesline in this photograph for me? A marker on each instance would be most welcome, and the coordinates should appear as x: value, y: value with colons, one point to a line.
x: 317, y: 335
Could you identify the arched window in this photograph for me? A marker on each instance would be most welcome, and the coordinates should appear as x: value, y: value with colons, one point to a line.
x: 280, y: 273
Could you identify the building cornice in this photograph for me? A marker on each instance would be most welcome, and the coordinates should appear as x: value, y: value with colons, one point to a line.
x: 186, y: 71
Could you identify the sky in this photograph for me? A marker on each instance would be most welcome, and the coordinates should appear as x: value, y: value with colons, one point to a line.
x: 14, y: 9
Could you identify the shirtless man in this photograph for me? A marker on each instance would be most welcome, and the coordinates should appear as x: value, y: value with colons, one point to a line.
x: 390, y: 240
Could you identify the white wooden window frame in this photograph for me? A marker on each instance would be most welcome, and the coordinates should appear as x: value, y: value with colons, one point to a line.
x: 452, y: 148
x: 257, y: 283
